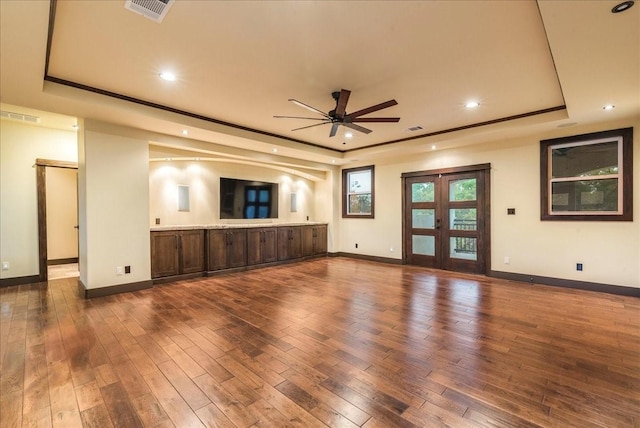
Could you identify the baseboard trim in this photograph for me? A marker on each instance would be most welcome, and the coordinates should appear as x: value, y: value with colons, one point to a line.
x: 90, y: 293
x: 366, y: 257
x: 8, y: 282
x: 55, y: 262
x: 174, y: 278
x: 567, y: 283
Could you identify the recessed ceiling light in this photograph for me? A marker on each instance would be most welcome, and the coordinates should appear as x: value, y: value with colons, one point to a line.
x: 168, y: 76
x: 185, y: 132
x: 608, y: 107
x: 333, y: 161
x: 472, y: 104
x: 75, y: 127
x: 348, y: 135
x: 274, y: 150
x: 622, y: 6
x: 433, y: 147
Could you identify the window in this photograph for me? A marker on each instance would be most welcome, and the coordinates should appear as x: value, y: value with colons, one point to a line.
x: 587, y: 177
x: 358, y: 193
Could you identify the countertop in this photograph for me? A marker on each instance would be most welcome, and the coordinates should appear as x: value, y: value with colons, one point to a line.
x: 231, y: 226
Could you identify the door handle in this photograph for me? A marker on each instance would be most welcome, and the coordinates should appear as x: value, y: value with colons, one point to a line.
x: 438, y: 223
x: 76, y: 226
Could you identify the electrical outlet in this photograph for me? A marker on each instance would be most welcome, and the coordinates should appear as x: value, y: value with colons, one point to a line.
x: 119, y: 270
x: 391, y: 250
x: 5, y: 265
x: 356, y: 245
x: 579, y: 267
x: 507, y: 260
x: 157, y: 220
x: 127, y: 269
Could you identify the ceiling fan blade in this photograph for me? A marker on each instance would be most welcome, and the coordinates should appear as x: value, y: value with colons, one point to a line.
x: 371, y: 109
x: 334, y: 129
x: 341, y: 104
x: 298, y: 117
x: 357, y: 127
x: 375, y: 119
x: 308, y: 107
x: 311, y: 126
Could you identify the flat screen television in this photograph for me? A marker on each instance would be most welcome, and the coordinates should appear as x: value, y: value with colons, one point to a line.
x: 244, y: 199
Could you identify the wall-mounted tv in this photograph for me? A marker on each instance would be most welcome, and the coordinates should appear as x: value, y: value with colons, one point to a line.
x: 241, y: 199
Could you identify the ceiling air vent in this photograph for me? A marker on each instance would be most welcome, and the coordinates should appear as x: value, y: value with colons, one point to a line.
x: 414, y: 128
x: 19, y: 116
x: 155, y: 10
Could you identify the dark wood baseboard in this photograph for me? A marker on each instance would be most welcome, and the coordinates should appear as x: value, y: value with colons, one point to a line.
x: 366, y: 257
x: 532, y: 279
x: 173, y: 278
x: 8, y: 282
x: 89, y: 293
x: 55, y: 262
x: 567, y: 283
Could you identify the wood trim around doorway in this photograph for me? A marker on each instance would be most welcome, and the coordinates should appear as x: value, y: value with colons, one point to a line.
x: 41, y: 190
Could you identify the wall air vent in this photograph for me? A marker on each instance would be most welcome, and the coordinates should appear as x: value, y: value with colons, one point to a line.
x: 19, y: 116
x: 155, y: 10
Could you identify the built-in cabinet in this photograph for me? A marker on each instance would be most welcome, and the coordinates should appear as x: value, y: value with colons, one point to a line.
x: 262, y: 246
x: 177, y: 252
x: 227, y: 248
x: 289, y: 243
x: 314, y: 240
x: 188, y: 253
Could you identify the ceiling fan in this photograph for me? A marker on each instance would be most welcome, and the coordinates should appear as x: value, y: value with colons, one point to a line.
x: 339, y: 116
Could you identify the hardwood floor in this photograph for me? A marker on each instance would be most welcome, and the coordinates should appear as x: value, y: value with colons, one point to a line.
x: 335, y: 342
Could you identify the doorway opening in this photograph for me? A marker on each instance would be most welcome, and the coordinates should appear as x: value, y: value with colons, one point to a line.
x: 57, y: 219
x: 445, y: 219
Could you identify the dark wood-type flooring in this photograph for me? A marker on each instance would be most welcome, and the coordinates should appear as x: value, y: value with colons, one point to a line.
x: 328, y: 342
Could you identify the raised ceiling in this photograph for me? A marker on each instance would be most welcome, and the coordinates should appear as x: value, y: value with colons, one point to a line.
x: 237, y: 64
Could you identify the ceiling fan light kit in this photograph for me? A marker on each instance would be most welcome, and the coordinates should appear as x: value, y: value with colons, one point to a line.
x: 339, y: 116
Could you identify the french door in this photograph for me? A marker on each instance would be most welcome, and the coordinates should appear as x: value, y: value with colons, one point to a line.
x: 446, y: 219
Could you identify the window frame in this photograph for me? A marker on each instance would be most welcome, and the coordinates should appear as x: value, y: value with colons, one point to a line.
x: 346, y: 193
x: 625, y: 176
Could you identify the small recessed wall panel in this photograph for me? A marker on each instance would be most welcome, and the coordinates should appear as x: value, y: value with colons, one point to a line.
x: 183, y: 198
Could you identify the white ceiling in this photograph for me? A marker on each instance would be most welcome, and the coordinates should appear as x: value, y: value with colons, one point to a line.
x: 531, y: 65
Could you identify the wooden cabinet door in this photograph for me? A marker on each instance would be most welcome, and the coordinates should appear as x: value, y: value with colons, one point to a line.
x: 164, y: 254
x: 295, y: 247
x: 320, y: 243
x: 217, y: 245
x: 237, y: 248
x: 284, y: 239
x: 269, y: 245
x: 308, y: 240
x: 192, y: 251
x: 254, y: 246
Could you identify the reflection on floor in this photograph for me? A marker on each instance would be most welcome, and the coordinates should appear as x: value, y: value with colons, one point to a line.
x: 63, y: 271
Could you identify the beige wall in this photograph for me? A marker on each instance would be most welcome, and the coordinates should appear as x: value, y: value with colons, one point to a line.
x: 20, y: 146
x: 610, y: 251
x: 62, y: 213
x: 203, y: 179
x: 123, y: 195
x: 113, y: 200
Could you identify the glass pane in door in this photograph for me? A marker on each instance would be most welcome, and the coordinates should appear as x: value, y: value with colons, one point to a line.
x: 423, y: 219
x: 462, y: 190
x: 463, y: 219
x: 423, y: 192
x: 424, y: 245
x: 463, y: 248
